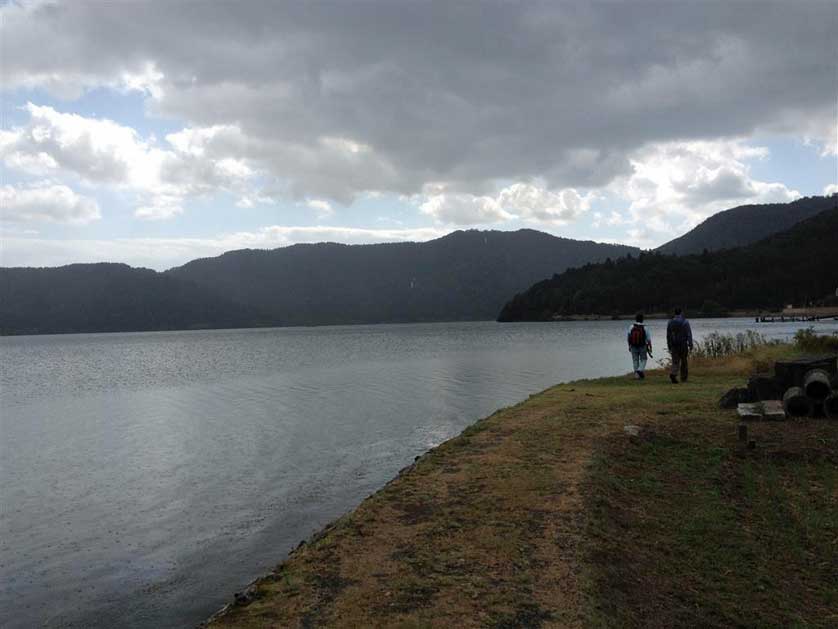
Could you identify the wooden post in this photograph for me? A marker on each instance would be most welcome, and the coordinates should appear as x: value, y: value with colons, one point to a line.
x: 743, y: 431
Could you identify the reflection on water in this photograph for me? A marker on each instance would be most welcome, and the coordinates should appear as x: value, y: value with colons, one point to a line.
x: 147, y: 476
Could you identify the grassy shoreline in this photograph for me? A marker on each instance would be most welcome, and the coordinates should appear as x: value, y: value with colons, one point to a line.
x: 549, y: 514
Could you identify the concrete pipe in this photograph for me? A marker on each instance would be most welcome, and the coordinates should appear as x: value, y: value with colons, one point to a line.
x: 796, y: 404
x: 816, y: 384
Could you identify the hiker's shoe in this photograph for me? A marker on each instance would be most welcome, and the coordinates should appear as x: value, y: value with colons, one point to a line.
x: 641, y: 374
x: 637, y: 375
x: 673, y: 379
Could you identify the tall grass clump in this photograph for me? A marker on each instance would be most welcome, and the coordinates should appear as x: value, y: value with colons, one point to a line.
x: 809, y: 341
x: 717, y: 345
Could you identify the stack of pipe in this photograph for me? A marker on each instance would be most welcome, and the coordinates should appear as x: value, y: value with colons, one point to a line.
x: 816, y: 395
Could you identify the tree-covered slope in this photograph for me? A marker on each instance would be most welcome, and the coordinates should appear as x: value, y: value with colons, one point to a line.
x: 108, y: 298
x: 466, y: 275
x: 795, y: 266
x: 746, y: 224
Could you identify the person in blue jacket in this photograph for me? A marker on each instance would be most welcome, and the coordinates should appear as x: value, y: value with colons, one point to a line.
x: 679, y: 340
x: 640, y: 346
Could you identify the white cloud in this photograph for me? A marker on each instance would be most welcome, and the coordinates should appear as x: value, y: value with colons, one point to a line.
x: 641, y: 237
x: 523, y: 201
x: 831, y: 189
x: 46, y: 202
x: 252, y: 199
x: 200, y: 161
x: 161, y: 208
x: 536, y: 203
x: 99, y: 151
x: 463, y: 209
x: 676, y: 185
x: 280, y: 234
x: 163, y: 253
x: 323, y: 209
x: 147, y: 79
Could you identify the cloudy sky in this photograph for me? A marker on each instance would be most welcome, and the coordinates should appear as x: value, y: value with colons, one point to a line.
x: 156, y: 132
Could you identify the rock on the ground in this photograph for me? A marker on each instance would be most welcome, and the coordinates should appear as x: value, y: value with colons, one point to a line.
x: 735, y: 396
x: 751, y: 410
x: 764, y: 388
x: 773, y: 409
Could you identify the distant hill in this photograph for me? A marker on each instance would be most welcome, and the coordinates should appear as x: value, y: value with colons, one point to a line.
x: 108, y: 298
x: 465, y: 275
x: 746, y: 224
x: 794, y: 266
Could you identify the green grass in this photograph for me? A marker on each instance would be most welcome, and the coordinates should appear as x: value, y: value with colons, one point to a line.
x: 688, y: 528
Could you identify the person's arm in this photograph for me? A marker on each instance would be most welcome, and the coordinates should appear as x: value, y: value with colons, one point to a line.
x: 648, y: 341
x: 689, y: 335
x: 669, y: 335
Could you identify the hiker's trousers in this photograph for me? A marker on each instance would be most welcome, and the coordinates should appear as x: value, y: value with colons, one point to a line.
x: 679, y: 362
x: 638, y: 358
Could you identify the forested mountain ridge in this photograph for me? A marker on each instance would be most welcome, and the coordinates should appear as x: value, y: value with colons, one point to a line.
x: 746, y: 224
x: 462, y: 276
x: 466, y: 275
x: 795, y: 266
x: 108, y: 297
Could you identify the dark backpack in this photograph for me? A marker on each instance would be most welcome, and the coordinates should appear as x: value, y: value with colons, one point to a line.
x: 637, y: 336
x: 677, y: 333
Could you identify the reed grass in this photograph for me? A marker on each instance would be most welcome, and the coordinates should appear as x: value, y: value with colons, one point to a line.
x: 717, y: 345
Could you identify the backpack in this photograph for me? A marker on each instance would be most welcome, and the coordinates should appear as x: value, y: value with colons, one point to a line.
x: 677, y: 333
x: 637, y: 336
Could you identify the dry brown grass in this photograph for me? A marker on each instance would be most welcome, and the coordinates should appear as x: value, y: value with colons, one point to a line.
x: 482, y: 531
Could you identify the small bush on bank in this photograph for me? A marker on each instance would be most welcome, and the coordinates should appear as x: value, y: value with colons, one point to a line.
x: 717, y: 345
x: 809, y: 341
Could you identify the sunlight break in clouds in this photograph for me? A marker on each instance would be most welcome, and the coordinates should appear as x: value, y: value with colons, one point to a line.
x: 523, y: 201
x: 677, y: 185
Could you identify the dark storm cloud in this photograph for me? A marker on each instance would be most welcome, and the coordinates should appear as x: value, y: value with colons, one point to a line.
x: 338, y: 98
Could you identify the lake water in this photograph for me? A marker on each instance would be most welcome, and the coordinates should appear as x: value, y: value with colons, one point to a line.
x: 147, y: 476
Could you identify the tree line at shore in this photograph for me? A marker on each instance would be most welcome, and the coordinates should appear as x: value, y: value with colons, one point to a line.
x: 798, y: 266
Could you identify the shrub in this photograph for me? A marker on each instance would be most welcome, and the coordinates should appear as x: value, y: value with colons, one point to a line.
x: 809, y: 341
x: 717, y: 345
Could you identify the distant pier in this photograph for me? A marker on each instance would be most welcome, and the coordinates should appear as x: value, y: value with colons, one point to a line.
x: 799, y: 314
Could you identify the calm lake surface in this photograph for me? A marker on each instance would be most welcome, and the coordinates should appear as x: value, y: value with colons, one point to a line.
x: 145, y: 477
